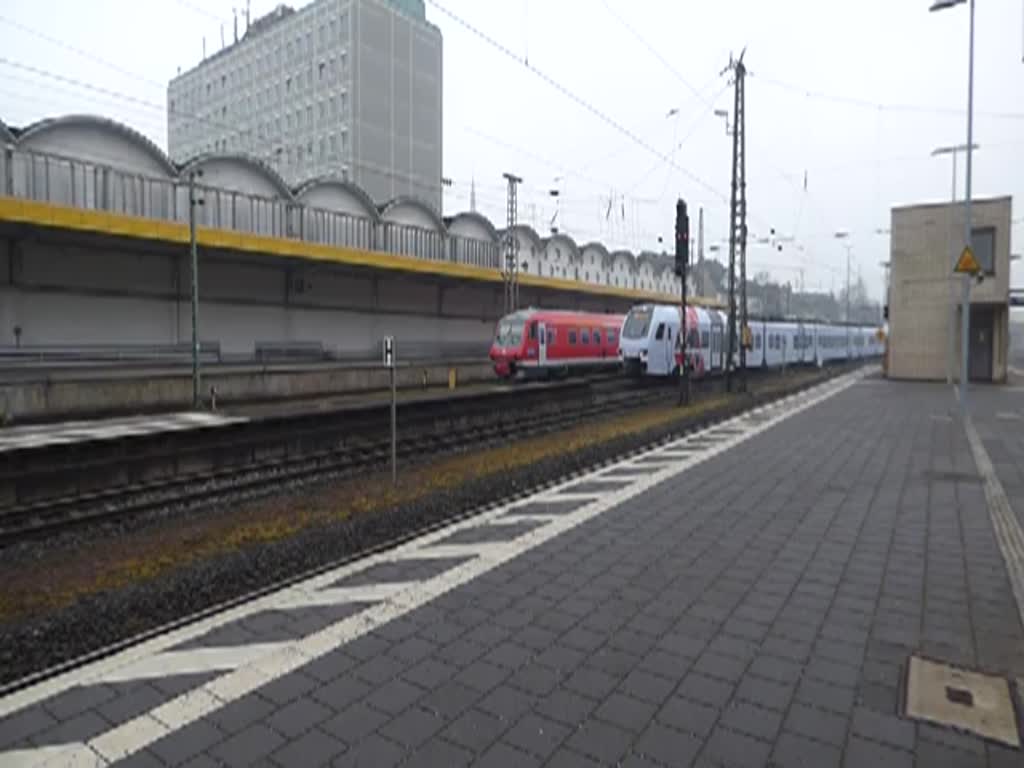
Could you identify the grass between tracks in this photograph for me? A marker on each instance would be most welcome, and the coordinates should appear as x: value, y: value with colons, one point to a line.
x: 63, y: 575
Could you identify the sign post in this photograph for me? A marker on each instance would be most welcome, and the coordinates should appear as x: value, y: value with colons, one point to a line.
x: 389, y: 361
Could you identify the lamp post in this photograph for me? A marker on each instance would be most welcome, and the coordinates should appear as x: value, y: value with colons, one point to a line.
x: 953, y: 151
x: 965, y: 311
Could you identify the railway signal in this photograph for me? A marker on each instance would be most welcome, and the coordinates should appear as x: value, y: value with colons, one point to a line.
x: 682, y: 261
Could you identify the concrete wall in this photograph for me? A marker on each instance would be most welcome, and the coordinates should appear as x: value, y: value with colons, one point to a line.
x: 926, y: 239
x: 62, y: 294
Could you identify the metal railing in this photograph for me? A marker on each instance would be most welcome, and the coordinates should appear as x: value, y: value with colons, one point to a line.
x: 53, y: 178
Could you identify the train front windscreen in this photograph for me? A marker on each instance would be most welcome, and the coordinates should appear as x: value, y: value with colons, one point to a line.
x: 510, y: 331
x: 638, y: 323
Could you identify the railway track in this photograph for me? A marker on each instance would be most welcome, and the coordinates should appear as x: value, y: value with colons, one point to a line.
x: 139, y: 474
x: 287, y: 453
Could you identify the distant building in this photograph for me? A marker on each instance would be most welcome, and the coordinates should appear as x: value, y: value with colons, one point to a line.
x: 341, y: 87
x: 924, y: 293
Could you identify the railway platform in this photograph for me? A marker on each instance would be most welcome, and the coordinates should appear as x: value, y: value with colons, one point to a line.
x: 832, y: 579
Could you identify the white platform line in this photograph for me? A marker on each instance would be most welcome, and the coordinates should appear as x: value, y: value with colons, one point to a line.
x: 1008, y: 532
x: 287, y: 657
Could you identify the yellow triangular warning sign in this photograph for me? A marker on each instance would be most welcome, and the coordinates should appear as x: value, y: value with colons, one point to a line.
x: 967, y: 263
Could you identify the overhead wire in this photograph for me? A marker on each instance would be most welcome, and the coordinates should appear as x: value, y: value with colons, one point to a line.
x: 575, y: 98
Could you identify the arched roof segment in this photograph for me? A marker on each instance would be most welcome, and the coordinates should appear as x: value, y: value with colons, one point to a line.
x: 529, y: 232
x: 99, y: 139
x: 422, y: 213
x: 606, y: 257
x: 473, y: 219
x: 336, y: 194
x: 5, y: 135
x: 574, y: 250
x: 238, y: 173
x: 627, y: 255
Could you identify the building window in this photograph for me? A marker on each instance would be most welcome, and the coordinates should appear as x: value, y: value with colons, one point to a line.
x: 309, y: 116
x: 334, y: 144
x: 344, y: 104
x: 288, y: 85
x: 323, y: 149
x: 323, y: 110
x: 983, y: 241
x: 334, y: 107
x: 321, y: 70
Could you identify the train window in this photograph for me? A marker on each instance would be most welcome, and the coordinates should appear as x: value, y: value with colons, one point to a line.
x: 660, y: 333
x: 597, y: 336
x: 611, y: 337
x: 757, y: 341
x: 533, y: 331
x: 551, y: 336
x: 584, y: 336
x: 572, y: 338
x: 703, y: 338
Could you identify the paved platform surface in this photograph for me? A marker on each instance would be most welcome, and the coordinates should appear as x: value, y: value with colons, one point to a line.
x: 41, y: 435
x: 748, y: 596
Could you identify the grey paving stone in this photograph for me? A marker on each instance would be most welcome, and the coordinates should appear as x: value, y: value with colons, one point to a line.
x: 653, y: 688
x: 730, y: 748
x: 24, y: 723
x: 600, y: 741
x: 793, y: 751
x: 246, y: 747
x: 667, y: 745
x: 241, y: 713
x: 289, y: 687
x: 714, y: 665
x: 81, y: 698
x: 535, y: 679
x: 747, y: 718
x: 450, y: 699
x: 82, y: 727
x: 506, y: 703
x: 394, y: 696
x: 508, y: 655
x: 342, y: 691
x: 591, y: 682
x: 815, y: 723
x: 482, y: 675
x: 380, y: 669
x: 373, y: 752
x: 141, y: 759
x: 298, y: 717
x: 887, y: 729
x: 412, y: 649
x: 626, y: 712
x: 313, y: 748
x: 869, y: 753
x: 929, y: 755
x: 688, y: 716
x: 438, y: 752
x: 832, y: 672
x: 353, y: 723
x: 566, y: 707
x: 501, y: 755
x: 834, y: 698
x: 475, y: 730
x: 412, y: 727
x: 182, y: 745
x: 430, y: 673
x: 132, y: 700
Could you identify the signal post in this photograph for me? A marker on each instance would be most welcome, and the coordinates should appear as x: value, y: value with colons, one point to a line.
x: 682, y: 262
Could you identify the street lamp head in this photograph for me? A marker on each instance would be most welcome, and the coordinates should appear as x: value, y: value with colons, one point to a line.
x: 941, y: 5
x: 721, y: 113
x: 842, y: 234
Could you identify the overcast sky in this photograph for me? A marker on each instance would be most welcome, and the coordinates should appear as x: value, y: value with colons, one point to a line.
x: 852, y: 96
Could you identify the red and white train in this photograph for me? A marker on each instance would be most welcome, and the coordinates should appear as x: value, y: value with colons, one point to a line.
x: 541, y: 342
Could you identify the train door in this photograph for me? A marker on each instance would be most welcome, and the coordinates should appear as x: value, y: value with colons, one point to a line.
x: 542, y: 334
x: 656, y: 354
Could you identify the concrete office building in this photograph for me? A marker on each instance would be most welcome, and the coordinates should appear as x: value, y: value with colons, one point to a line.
x: 347, y: 88
x: 924, y: 294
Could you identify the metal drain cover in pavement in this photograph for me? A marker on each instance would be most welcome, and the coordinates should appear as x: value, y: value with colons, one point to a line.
x: 965, y: 700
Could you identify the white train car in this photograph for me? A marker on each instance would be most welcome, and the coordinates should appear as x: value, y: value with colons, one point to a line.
x: 647, y: 342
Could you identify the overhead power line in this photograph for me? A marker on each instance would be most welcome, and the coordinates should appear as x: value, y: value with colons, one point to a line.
x: 854, y: 101
x: 578, y: 100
